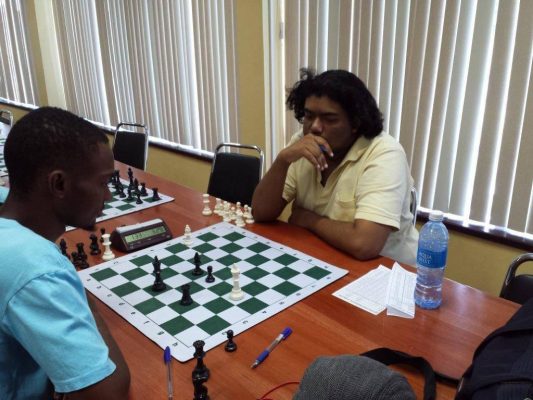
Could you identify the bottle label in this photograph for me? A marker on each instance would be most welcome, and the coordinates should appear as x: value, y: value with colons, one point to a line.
x: 431, y: 259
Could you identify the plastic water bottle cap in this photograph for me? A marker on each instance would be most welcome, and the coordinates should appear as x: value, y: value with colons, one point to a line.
x: 436, y: 215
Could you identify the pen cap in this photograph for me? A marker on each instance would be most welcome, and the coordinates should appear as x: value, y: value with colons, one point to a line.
x: 166, y: 355
x: 286, y: 332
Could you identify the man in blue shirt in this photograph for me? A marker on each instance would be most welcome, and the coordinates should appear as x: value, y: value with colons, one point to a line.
x: 59, y: 166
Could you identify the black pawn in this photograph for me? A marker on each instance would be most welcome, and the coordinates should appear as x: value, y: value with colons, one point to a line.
x: 186, y: 299
x: 81, y: 250
x: 155, y: 195
x: 121, y: 193
x: 197, y: 271
x: 139, y: 201
x: 230, y: 344
x: 63, y: 247
x: 200, y: 391
x: 200, y: 371
x: 95, y: 249
x: 210, y: 278
x: 102, y: 232
x: 143, y: 189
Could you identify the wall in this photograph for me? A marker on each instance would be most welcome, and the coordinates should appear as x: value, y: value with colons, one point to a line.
x: 476, y: 262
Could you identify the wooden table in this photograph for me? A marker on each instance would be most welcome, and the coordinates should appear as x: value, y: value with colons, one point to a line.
x: 322, y: 323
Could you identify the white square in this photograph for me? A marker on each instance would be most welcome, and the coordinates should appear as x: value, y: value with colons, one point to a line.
x: 272, y: 266
x: 243, y: 254
x: 204, y: 296
x: 270, y: 280
x: 215, y: 254
x: 144, y: 281
x: 219, y: 242
x: 169, y: 296
x: 245, y: 242
x: 162, y: 315
x: 302, y: 280
x: 191, y: 335
x: 271, y: 253
x: 301, y: 266
x: 114, y: 281
x: 233, y: 315
x: 124, y: 267
x: 198, y: 314
x: 176, y: 281
x: 270, y: 296
x: 243, y: 280
x: 136, y: 297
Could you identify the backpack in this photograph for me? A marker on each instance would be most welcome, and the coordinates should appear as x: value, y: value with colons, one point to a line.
x: 502, y: 366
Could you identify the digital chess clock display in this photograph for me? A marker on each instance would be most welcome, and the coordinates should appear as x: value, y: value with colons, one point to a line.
x: 138, y: 236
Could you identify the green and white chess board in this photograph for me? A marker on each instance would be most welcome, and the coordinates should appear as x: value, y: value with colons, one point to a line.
x: 273, y: 277
x: 118, y: 206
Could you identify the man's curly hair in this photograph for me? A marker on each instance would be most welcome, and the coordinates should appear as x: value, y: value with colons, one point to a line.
x: 45, y: 139
x: 344, y: 88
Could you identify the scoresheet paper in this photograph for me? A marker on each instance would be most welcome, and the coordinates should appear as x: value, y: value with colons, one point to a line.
x: 380, y: 289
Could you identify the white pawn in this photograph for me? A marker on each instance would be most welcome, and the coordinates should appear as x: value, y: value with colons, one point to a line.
x: 218, y: 206
x: 232, y: 214
x: 227, y: 214
x: 236, y: 292
x: 108, y: 254
x: 239, y: 221
x: 249, y: 218
x: 187, y: 240
x: 206, y: 210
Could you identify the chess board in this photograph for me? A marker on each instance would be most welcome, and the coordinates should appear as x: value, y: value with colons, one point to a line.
x: 3, y: 169
x: 273, y: 277
x: 118, y: 206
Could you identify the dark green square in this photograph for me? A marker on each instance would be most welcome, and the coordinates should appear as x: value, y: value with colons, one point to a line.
x: 214, y: 324
x: 176, y: 248
x: 134, y: 274
x: 218, y: 305
x: 221, y: 289
x: 258, y: 247
x: 204, y: 248
x: 252, y: 305
x: 181, y: 309
x: 103, y: 274
x: 107, y: 206
x: 285, y: 259
x: 286, y: 288
x: 255, y: 273
x: 207, y: 237
x: 152, y: 292
x: 171, y: 260
x: 228, y: 260
x: 125, y: 289
x: 254, y: 288
x: 223, y: 274
x: 317, y: 273
x: 176, y: 325
x: 146, y: 307
x: 167, y: 273
x: 194, y: 287
x: 149, y: 199
x: 233, y: 236
x: 231, y: 247
x: 142, y: 260
x: 286, y: 273
x: 256, y: 260
x: 125, y: 207
x: 192, y: 277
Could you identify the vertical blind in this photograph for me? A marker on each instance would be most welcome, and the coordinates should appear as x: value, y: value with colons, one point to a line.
x: 453, y: 80
x: 169, y: 65
x: 17, y: 81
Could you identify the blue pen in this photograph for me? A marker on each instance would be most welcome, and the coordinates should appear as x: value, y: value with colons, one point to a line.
x: 168, y: 360
x: 262, y: 357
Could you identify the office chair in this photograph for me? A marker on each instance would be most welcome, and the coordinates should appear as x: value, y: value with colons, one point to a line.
x: 414, y: 203
x: 234, y: 176
x: 131, y: 147
x: 518, y: 288
x: 6, y: 122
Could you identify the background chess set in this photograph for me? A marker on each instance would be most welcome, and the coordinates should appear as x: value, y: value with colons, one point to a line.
x: 272, y: 277
x: 118, y: 206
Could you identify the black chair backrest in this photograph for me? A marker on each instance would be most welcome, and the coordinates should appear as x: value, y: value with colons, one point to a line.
x: 518, y: 288
x: 131, y: 147
x: 234, y: 176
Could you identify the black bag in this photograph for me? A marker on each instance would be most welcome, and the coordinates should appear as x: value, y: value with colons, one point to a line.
x: 502, y: 366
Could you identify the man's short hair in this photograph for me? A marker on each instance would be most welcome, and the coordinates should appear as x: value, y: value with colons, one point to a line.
x: 344, y: 88
x: 45, y: 139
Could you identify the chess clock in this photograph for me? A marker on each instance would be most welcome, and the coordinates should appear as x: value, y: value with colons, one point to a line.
x: 130, y: 238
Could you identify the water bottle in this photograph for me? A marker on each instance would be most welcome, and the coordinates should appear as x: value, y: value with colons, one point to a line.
x: 431, y: 261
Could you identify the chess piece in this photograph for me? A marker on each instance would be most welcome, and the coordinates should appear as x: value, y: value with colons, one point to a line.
x: 239, y: 221
x: 197, y: 271
x: 130, y: 194
x: 108, y: 254
x: 206, y: 210
x: 155, y: 195
x: 236, y: 292
x: 210, y: 278
x: 200, y: 391
x: 139, y: 201
x: 187, y: 240
x: 226, y: 213
x: 95, y: 249
x: 230, y: 346
x: 102, y: 232
x: 121, y: 193
x: 63, y: 247
x: 158, y: 285
x: 200, y: 371
x: 144, y: 193
x: 218, y: 206
x: 248, y: 218
x: 186, y: 299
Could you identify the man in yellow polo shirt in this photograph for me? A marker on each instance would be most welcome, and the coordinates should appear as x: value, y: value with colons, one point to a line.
x: 349, y: 180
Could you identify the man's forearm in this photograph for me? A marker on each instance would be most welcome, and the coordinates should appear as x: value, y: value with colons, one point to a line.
x: 267, y: 201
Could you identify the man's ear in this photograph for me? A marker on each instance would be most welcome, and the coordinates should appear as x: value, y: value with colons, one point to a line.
x: 57, y: 183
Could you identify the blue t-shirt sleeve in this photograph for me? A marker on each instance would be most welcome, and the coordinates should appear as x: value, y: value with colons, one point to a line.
x: 51, y: 319
x: 3, y: 194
